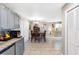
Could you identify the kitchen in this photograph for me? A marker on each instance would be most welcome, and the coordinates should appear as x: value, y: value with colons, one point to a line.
x: 10, y: 39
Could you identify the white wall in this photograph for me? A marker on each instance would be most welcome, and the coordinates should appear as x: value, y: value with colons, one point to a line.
x: 24, y: 27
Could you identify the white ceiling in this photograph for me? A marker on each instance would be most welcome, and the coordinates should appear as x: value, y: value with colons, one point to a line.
x: 38, y: 11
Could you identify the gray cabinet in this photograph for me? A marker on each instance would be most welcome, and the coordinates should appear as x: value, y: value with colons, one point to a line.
x: 8, y: 19
x: 15, y: 49
x: 16, y: 21
x: 0, y: 19
x: 3, y: 17
x: 9, y: 51
x: 19, y: 47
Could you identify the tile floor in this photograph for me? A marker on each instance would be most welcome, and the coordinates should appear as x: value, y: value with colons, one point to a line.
x: 47, y: 48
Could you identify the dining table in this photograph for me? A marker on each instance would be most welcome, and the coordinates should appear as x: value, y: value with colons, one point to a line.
x: 37, y: 36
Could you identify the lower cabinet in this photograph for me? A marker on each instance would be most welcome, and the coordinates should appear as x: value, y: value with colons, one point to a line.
x: 16, y: 49
x: 19, y: 47
x: 9, y: 51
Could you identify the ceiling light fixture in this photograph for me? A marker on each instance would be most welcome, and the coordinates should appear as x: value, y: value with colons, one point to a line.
x: 35, y: 18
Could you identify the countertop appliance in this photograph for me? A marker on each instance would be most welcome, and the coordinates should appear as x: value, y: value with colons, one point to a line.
x: 5, y: 35
x: 15, y: 33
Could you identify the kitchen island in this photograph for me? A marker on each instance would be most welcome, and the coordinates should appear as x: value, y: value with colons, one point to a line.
x: 13, y: 46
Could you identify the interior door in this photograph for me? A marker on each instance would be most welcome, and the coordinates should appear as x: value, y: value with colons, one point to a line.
x: 71, y: 32
x: 77, y: 30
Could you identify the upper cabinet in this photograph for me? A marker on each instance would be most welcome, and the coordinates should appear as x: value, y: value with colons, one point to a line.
x: 16, y: 21
x: 3, y: 17
x: 8, y: 19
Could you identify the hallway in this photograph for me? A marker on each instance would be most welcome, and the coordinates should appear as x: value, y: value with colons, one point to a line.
x: 55, y: 23
x: 35, y: 21
x: 47, y: 48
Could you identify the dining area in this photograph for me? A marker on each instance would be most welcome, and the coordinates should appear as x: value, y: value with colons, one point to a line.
x: 42, y: 31
x: 37, y: 35
x: 44, y: 38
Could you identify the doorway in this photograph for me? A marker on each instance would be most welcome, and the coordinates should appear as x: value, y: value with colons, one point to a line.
x: 72, y: 31
x: 53, y: 44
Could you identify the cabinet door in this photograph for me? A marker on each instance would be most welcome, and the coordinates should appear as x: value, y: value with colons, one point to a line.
x: 18, y: 25
x: 10, y: 51
x: 0, y: 17
x: 20, y: 47
x: 10, y: 20
x: 3, y: 18
x: 16, y: 21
